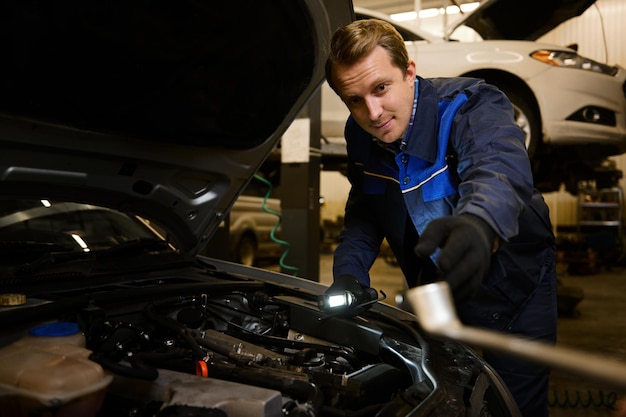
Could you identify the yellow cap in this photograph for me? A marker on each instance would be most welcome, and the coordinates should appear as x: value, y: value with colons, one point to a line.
x: 12, y: 299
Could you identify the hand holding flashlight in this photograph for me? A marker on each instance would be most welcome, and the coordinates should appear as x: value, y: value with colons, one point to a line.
x: 346, y: 296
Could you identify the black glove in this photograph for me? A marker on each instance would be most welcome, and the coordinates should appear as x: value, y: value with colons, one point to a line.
x: 355, y: 294
x: 466, y: 243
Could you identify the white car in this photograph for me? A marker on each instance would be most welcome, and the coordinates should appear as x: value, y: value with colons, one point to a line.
x: 571, y: 108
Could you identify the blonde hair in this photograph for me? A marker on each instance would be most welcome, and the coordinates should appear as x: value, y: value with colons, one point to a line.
x: 356, y: 40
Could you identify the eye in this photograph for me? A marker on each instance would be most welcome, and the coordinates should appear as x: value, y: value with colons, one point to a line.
x: 381, y: 88
x: 353, y: 101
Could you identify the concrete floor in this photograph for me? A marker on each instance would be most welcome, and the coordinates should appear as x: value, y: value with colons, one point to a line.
x: 597, y: 326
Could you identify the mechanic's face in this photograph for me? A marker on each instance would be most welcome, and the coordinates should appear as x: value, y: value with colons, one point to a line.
x: 377, y: 94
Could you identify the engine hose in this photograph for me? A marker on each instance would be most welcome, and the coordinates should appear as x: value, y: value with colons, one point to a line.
x: 576, y: 398
x: 137, y: 370
x: 298, y: 345
x: 294, y: 409
x: 174, y: 359
x: 177, y: 328
x: 369, y: 410
x: 303, y: 391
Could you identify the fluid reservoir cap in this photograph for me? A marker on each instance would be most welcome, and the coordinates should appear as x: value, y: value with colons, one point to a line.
x: 62, y: 328
x: 16, y: 299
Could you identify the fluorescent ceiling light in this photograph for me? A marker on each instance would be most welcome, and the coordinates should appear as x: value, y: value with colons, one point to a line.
x: 433, y: 12
x: 405, y: 16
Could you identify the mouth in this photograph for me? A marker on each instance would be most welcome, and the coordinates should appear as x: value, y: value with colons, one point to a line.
x: 384, y: 125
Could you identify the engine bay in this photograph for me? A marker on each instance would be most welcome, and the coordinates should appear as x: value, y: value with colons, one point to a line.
x: 227, y: 348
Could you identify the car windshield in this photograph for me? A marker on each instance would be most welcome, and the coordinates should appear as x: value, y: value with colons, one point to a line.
x: 36, y: 225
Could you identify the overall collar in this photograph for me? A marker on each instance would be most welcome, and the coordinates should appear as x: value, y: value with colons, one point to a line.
x: 421, y: 136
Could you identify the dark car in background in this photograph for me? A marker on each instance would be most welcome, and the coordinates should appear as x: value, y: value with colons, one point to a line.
x: 254, y: 230
x: 250, y: 232
x: 127, y: 132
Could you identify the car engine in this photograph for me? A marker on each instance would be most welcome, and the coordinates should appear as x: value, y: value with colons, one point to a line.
x: 233, y: 348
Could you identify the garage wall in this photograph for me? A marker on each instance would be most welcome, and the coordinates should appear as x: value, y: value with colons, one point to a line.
x: 600, y: 33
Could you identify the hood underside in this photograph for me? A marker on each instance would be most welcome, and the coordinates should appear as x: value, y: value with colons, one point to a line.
x: 522, y: 20
x: 162, y: 109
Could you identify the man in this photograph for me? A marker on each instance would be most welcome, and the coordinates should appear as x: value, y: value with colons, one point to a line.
x: 438, y: 167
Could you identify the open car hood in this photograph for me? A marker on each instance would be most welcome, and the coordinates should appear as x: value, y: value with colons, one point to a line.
x: 520, y: 20
x: 161, y: 109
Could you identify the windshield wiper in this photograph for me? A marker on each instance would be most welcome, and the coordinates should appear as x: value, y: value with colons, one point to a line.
x: 141, y: 244
x: 10, y: 246
x: 47, y: 258
x: 55, y: 254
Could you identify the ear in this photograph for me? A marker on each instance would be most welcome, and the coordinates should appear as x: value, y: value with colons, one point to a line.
x: 411, y: 71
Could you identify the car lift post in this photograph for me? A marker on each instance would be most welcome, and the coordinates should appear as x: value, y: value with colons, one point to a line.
x: 300, y: 191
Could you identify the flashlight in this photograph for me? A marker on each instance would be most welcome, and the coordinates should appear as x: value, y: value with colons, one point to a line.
x: 345, y: 301
x: 336, y: 301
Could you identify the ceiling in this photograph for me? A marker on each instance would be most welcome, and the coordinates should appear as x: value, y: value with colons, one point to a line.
x: 398, y: 6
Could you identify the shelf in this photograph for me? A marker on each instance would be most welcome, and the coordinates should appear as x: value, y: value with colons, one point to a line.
x: 599, y: 205
x: 607, y: 223
x: 600, y: 217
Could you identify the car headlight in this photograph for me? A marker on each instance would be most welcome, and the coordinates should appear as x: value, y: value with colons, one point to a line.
x: 571, y: 59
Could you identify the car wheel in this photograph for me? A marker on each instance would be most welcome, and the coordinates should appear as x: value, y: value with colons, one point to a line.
x: 526, y: 117
x: 245, y: 253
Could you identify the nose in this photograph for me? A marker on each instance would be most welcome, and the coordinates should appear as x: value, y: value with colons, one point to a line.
x: 374, y: 108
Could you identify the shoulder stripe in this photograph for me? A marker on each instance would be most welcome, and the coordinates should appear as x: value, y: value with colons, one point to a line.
x: 386, y: 177
x: 433, y: 175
